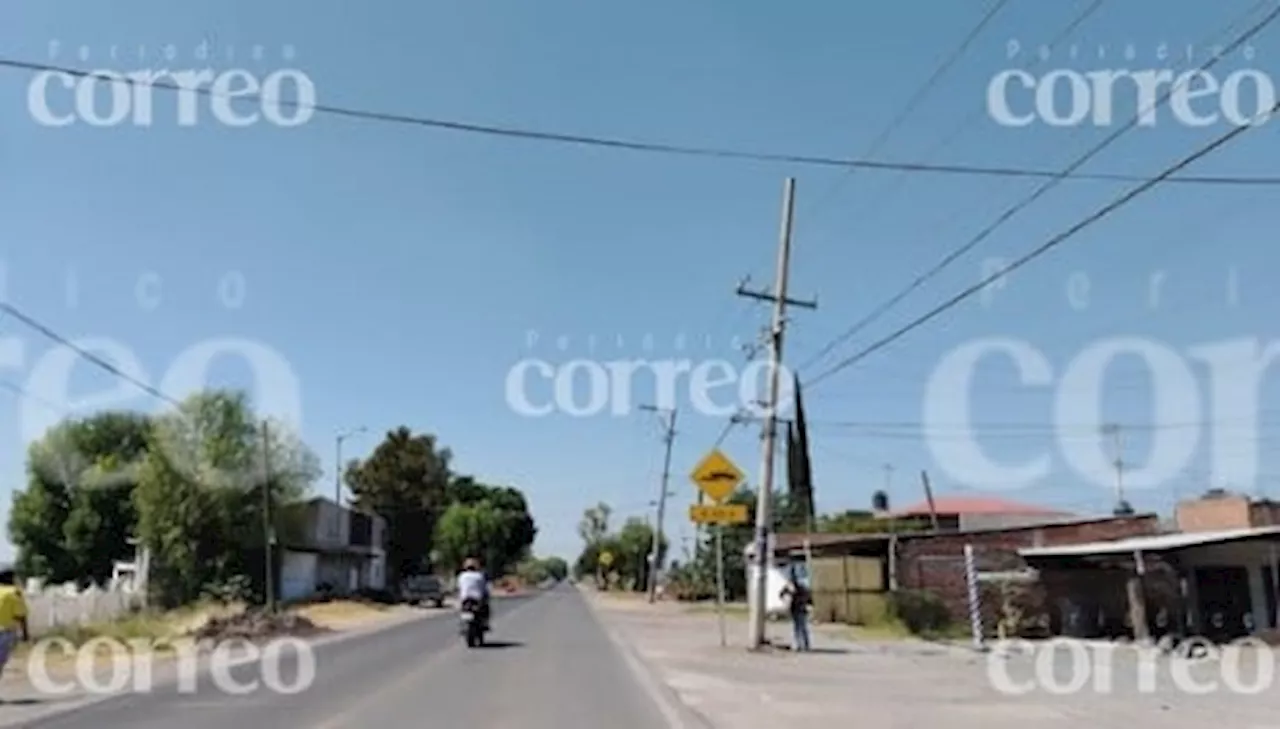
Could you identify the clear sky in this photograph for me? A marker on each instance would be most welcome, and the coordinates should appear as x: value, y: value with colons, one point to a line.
x: 401, y: 269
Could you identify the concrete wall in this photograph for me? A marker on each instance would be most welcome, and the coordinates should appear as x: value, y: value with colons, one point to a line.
x: 936, y: 563
x: 1229, y: 511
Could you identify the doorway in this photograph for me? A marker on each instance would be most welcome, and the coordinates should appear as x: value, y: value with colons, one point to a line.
x: 1225, y: 602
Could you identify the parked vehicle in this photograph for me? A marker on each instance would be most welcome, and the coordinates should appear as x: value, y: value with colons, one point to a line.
x: 423, y: 589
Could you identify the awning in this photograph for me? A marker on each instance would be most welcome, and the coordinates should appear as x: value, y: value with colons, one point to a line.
x: 1156, y: 543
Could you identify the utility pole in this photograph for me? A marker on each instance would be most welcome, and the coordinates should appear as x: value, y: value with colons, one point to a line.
x: 928, y: 497
x: 764, y: 516
x: 1122, y: 507
x: 668, y: 438
x: 888, y: 490
x: 269, y: 532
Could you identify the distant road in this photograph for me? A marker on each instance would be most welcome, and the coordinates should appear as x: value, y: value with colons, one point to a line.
x: 551, y: 666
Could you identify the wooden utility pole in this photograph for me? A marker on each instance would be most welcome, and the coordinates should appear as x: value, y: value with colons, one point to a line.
x: 655, y: 556
x: 928, y: 497
x: 268, y: 531
x: 758, y: 596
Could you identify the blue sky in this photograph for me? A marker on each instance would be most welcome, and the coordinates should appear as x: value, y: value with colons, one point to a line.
x: 400, y: 269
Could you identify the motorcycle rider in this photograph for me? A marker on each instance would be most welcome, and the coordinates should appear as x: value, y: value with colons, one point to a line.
x: 473, y: 584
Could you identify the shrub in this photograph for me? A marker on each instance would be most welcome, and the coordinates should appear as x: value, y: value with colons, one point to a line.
x: 922, y: 612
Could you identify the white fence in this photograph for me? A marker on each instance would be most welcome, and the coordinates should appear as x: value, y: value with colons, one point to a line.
x: 59, y: 605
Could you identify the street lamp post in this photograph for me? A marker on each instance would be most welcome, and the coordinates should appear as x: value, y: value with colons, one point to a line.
x: 337, y: 462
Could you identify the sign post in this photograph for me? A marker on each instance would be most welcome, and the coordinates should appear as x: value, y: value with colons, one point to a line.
x: 717, y: 478
x: 603, y: 562
x: 720, y: 583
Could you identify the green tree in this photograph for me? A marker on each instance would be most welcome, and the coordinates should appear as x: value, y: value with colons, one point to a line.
x: 557, y: 568
x: 594, y: 525
x: 498, y: 529
x: 76, y: 516
x: 736, y: 539
x: 631, y: 548
x: 406, y: 481
x: 472, y: 530
x: 199, y: 497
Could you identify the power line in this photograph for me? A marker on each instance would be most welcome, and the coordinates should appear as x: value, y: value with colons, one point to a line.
x: 1021, y: 428
x: 876, y: 202
x: 90, y: 357
x: 1036, y: 253
x: 651, y: 147
x: 920, y: 94
x: 1039, y: 192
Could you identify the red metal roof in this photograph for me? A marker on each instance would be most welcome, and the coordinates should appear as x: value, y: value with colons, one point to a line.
x: 977, y: 505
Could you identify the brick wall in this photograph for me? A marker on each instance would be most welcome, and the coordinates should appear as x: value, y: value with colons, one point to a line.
x: 1229, y: 511
x: 936, y: 563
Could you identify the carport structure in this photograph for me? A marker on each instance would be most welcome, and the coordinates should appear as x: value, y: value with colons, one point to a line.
x: 1218, y: 584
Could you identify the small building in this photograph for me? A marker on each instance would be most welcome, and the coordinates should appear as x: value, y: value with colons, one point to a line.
x: 331, y: 548
x: 853, y: 572
x: 1219, y: 584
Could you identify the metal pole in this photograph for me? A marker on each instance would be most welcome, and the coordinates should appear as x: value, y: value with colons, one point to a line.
x: 654, y: 560
x: 764, y: 516
x: 724, y: 640
x: 975, y: 606
x: 337, y: 470
x: 269, y: 535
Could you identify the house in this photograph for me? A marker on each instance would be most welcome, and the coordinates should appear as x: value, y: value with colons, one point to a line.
x: 326, y: 546
x: 853, y: 572
x: 1218, y: 576
x: 971, y: 513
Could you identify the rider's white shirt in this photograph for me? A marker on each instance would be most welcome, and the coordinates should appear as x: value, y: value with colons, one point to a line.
x: 472, y: 585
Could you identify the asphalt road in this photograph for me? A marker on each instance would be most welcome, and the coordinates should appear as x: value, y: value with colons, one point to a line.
x: 550, y: 666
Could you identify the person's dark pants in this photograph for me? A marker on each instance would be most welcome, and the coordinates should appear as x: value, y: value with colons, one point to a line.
x: 483, y: 612
x: 800, y: 629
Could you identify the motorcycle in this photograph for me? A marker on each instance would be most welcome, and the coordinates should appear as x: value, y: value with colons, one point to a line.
x: 472, y: 623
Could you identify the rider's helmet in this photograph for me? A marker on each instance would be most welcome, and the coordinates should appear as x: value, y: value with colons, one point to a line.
x: 470, y: 564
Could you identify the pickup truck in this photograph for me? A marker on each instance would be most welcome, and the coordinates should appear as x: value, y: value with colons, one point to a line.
x: 423, y: 589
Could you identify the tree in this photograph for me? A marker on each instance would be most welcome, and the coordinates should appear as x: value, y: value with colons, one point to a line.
x: 498, y: 529
x: 557, y: 568
x: 630, y: 548
x: 472, y: 530
x: 75, y: 519
x: 594, y: 526
x: 736, y: 539
x: 406, y: 481
x: 200, y: 492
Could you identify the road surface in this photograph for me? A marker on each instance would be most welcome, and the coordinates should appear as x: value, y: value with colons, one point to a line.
x: 551, y: 666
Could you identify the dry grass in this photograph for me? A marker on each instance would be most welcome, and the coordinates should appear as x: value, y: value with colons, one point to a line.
x: 343, y: 614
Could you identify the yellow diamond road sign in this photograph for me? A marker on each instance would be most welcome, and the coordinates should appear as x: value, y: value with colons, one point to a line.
x: 716, y: 476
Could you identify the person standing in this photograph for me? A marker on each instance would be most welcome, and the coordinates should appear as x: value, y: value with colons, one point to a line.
x: 798, y: 600
x: 13, y: 615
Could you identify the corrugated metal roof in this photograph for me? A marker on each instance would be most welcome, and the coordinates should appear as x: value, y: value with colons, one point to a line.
x: 1157, y: 543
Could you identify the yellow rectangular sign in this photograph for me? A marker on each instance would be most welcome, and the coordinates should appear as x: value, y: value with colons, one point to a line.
x: 720, y: 514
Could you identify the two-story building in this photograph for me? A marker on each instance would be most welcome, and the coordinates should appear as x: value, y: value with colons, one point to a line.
x: 329, y: 547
